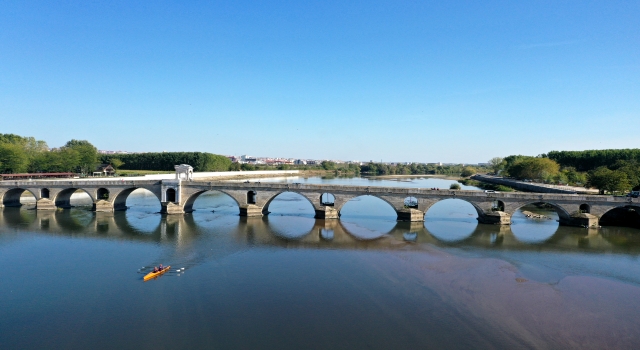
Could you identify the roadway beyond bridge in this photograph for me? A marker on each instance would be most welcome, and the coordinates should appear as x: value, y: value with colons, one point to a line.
x: 253, y: 199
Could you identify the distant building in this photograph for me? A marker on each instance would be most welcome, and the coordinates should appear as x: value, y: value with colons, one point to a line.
x: 104, y: 170
x: 112, y: 152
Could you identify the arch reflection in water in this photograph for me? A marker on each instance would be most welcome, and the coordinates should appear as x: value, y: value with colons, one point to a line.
x: 367, y: 217
x: 326, y: 234
x: 73, y: 220
x: 289, y: 227
x: 15, y: 216
x: 451, y: 220
x: 532, y: 229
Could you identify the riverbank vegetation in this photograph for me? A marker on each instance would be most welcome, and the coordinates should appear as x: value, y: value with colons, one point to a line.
x: 165, y: 161
x: 486, y: 185
x: 376, y: 169
x: 610, y: 171
x: 26, y: 154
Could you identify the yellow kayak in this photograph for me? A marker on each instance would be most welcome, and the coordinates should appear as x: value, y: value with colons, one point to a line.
x: 151, y: 275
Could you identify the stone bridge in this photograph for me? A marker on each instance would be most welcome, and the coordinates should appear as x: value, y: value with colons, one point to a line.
x: 253, y: 199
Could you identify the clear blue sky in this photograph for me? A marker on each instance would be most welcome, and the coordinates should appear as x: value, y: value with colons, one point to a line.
x: 450, y: 81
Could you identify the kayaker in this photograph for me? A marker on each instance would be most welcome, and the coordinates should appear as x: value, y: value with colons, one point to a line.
x: 155, y: 269
x: 160, y: 268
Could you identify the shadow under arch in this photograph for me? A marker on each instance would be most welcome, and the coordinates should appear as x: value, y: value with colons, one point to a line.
x: 452, y: 219
x: 188, y: 206
x: 120, y: 201
x: 622, y: 216
x: 12, y: 198
x: 63, y: 198
x: 294, y: 197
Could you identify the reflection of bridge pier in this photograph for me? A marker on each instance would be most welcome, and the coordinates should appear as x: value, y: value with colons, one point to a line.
x: 184, y: 233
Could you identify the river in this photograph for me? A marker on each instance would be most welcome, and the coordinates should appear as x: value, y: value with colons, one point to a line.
x: 72, y: 279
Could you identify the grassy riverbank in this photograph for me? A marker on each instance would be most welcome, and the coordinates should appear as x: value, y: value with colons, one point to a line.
x: 142, y: 172
x: 486, y: 186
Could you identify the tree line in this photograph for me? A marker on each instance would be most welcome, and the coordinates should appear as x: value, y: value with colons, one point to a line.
x: 26, y: 154
x: 20, y: 154
x: 165, y: 161
x: 611, y: 170
x: 416, y: 169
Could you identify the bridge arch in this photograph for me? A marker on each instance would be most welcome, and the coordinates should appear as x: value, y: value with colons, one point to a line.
x: 585, y: 208
x: 120, y: 199
x: 63, y: 198
x: 170, y: 195
x: 11, y: 198
x: 563, y: 214
x: 327, y: 199
x: 479, y: 210
x: 411, y: 202
x: 102, y: 194
x: 624, y: 215
x: 188, y: 205
x: 265, y: 208
x: 395, y: 207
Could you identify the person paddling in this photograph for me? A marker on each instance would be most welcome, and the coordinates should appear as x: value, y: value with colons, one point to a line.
x: 160, y: 268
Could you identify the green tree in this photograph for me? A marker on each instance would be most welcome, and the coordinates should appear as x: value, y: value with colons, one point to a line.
x: 247, y: 166
x: 468, y: 171
x: 87, y: 155
x: 454, y: 186
x: 328, y: 165
x: 497, y: 164
x: 607, y: 180
x: 13, y: 158
x: 632, y: 169
x: 533, y: 168
x: 116, y: 163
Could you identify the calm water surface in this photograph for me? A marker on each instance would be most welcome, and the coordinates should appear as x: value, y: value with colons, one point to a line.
x: 73, y: 278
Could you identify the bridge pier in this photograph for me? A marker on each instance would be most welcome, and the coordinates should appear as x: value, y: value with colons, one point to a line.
x: 327, y: 213
x: 102, y: 206
x: 251, y: 210
x: 410, y: 214
x: 171, y: 208
x: 494, y: 218
x: 45, y: 204
x: 580, y: 220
